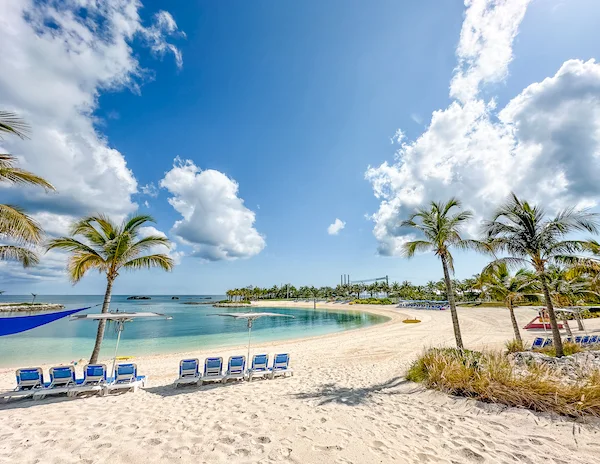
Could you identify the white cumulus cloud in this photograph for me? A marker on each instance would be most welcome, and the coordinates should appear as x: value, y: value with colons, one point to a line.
x: 543, y: 145
x: 215, y: 222
x: 485, y: 47
x: 171, y: 251
x: 56, y: 59
x: 336, y: 227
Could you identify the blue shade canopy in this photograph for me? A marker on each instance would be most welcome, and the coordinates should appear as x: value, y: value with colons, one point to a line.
x: 13, y: 325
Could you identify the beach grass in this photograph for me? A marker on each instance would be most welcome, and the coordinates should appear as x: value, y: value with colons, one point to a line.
x: 490, y: 377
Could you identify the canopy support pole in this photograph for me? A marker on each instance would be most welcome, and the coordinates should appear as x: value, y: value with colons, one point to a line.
x: 249, y: 335
x: 119, y: 330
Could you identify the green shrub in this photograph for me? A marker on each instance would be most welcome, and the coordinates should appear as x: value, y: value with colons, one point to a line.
x: 514, y: 346
x: 568, y: 349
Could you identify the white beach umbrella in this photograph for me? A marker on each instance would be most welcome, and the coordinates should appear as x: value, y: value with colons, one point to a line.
x: 251, y: 317
x: 119, y: 318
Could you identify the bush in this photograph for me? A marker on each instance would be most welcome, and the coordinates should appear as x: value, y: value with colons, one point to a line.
x: 514, y: 346
x: 490, y: 377
x: 568, y: 349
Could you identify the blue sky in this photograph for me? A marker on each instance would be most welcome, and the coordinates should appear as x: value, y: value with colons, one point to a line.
x: 293, y: 102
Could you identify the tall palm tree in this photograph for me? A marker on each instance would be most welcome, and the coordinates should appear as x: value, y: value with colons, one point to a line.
x: 512, y: 289
x: 16, y: 226
x: 108, y: 248
x: 529, y: 237
x: 440, y: 227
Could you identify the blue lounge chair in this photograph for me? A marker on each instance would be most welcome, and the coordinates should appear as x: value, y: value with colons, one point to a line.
x: 568, y: 340
x: 260, y: 366
x: 213, y: 371
x: 94, y: 380
x: 281, y: 366
x: 126, y: 378
x: 547, y: 342
x: 593, y: 340
x: 578, y: 339
x: 236, y: 368
x: 28, y: 381
x: 61, y: 379
x: 537, y: 343
x: 585, y: 340
x: 189, y: 372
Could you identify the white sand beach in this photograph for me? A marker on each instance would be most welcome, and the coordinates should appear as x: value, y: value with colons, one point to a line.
x: 346, y: 403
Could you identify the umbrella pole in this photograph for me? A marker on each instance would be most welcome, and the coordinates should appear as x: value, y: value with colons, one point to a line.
x: 249, y: 335
x: 119, y: 330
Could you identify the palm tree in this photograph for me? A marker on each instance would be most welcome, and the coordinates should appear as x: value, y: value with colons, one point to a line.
x: 524, y: 232
x: 15, y: 225
x: 500, y: 284
x: 109, y: 248
x: 440, y: 228
x: 568, y: 288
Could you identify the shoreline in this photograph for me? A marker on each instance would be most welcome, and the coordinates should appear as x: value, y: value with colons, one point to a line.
x: 29, y: 308
x: 236, y: 346
x: 347, y: 403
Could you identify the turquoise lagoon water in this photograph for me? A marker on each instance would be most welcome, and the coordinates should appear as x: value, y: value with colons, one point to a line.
x: 192, y: 327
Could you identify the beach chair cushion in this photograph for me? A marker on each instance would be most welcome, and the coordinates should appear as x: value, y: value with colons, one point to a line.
x: 236, y: 368
x: 260, y: 362
x: 189, y: 368
x: 94, y: 373
x: 213, y: 367
x: 537, y: 343
x: 62, y: 376
x: 125, y: 373
x: 29, y: 378
x: 236, y: 365
x: 281, y: 361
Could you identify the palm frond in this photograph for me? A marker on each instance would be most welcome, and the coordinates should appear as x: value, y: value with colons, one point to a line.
x: 147, y: 243
x: 17, y: 225
x: 10, y: 123
x: 135, y: 222
x: 85, y: 227
x: 409, y: 249
x: 71, y: 245
x: 510, y: 262
x: 15, y: 253
x: 14, y: 175
x: 147, y: 262
x: 107, y: 226
x: 80, y: 263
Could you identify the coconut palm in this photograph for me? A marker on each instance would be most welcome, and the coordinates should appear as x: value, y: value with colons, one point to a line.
x: 440, y: 227
x: 109, y: 248
x: 529, y: 237
x: 512, y: 289
x: 15, y: 225
x: 567, y: 287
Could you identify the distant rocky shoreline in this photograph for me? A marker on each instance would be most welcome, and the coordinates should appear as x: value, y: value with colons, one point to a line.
x: 25, y: 307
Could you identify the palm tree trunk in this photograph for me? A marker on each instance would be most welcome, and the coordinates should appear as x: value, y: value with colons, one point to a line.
x: 567, y: 328
x: 102, y: 323
x: 552, y: 315
x: 579, y: 323
x: 450, y: 292
x: 515, y: 325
